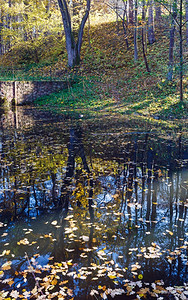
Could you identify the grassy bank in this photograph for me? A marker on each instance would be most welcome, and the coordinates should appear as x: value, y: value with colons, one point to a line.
x: 108, y: 81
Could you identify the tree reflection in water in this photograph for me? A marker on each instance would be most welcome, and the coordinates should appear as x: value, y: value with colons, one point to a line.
x: 92, y: 198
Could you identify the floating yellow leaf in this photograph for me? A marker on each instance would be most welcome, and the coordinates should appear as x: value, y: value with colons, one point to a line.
x: 23, y: 242
x: 111, y: 276
x: 1, y: 274
x: 10, y: 282
x: 6, y: 266
x: 54, y: 281
x: 143, y: 291
x: 64, y: 282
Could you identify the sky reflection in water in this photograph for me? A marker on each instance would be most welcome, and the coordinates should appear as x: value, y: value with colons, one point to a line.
x: 78, y: 194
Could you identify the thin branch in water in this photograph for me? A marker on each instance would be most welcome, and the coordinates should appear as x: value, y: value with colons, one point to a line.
x: 37, y: 282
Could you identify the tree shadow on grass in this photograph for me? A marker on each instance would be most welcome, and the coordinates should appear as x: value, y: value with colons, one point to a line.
x: 162, y: 103
x: 173, y: 111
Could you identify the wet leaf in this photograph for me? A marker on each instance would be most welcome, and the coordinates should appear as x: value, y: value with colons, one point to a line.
x: 6, y: 266
x: 54, y: 222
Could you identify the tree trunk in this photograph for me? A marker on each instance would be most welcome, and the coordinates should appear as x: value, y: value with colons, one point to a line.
x: 117, y: 16
x: 157, y: 13
x: 151, y: 35
x: 124, y: 22
x: 1, y: 37
x: 73, y: 55
x: 171, y: 47
x: 135, y: 31
x: 125, y: 27
x: 181, y: 50
x: 73, y: 48
x: 9, y: 24
x: 187, y: 21
x: 131, y: 16
x: 143, y: 37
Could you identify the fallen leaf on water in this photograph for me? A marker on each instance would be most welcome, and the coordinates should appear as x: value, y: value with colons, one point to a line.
x: 14, y: 294
x: 54, y: 281
x: 143, y: 291
x: 6, y: 266
x: 54, y: 222
x: 4, y: 234
x: 85, y: 238
x: 170, y: 232
x: 112, y: 275
x: 1, y: 274
x: 23, y: 242
x: 93, y: 292
x: 64, y: 282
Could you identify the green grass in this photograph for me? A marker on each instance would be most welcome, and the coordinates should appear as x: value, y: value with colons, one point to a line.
x: 29, y: 72
x: 82, y: 95
x: 159, y: 109
x: 108, y: 81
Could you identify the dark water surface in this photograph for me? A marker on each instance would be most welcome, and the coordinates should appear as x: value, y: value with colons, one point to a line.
x: 87, y: 209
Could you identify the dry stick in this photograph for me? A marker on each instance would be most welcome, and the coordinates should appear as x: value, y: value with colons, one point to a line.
x: 37, y: 282
x: 95, y: 296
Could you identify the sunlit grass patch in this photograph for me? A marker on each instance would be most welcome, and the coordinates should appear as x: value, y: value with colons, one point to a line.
x: 80, y: 95
x: 108, y: 80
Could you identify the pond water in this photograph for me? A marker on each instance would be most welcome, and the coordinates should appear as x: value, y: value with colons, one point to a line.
x: 91, y: 211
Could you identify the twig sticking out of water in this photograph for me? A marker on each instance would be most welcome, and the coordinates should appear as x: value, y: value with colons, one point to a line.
x: 37, y: 282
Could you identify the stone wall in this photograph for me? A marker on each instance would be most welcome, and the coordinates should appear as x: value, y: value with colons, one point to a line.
x: 23, y: 92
